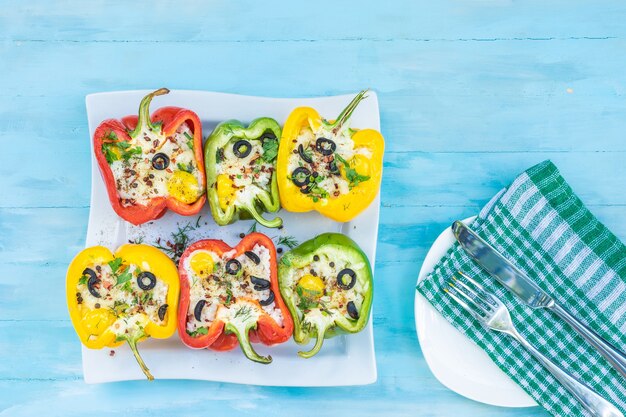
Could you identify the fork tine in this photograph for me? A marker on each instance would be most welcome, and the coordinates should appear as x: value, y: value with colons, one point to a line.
x: 480, y: 292
x: 450, y: 291
x: 463, y: 291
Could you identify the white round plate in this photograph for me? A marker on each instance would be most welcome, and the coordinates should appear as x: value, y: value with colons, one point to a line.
x: 453, y: 358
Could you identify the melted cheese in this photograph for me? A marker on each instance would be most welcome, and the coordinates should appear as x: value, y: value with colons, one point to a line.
x: 215, y: 288
x: 127, y: 301
x: 335, y: 299
x: 250, y: 175
x: 137, y: 181
x: 334, y: 185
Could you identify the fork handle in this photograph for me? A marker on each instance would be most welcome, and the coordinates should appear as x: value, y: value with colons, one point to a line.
x: 590, y: 400
x: 612, y: 354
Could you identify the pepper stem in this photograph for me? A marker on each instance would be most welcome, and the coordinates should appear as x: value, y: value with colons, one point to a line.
x: 347, y: 112
x: 143, y: 121
x: 275, y: 222
x: 133, y: 346
x: 239, y: 325
x: 320, y: 325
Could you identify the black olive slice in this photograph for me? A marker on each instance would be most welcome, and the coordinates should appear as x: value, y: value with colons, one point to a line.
x: 92, y: 281
x: 160, y: 161
x: 253, y: 257
x: 233, y: 267
x: 352, y: 311
x: 269, y: 135
x: 197, y: 310
x: 146, y: 280
x: 259, y: 283
x: 301, y: 176
x: 242, y: 148
x: 162, y: 311
x: 269, y: 300
x: 303, y: 155
x: 346, y: 278
x: 305, y: 190
x: 325, y: 146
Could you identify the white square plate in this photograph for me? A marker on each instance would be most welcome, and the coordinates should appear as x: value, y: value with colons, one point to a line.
x: 344, y: 360
x: 454, y: 359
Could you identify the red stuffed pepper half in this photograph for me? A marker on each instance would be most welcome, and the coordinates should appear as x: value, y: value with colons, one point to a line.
x: 230, y: 296
x: 152, y: 163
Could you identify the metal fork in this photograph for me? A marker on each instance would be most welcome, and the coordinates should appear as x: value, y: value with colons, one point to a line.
x: 493, y: 314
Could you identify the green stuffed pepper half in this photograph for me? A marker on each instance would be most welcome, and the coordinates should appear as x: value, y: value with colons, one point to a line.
x: 241, y: 173
x: 327, y: 285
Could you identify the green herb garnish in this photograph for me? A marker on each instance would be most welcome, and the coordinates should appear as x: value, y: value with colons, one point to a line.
x: 353, y: 177
x: 199, y: 331
x: 124, y: 277
x: 185, y: 167
x: 270, y: 150
x: 115, y: 264
x: 305, y: 303
x: 189, y: 140
x: 288, y: 241
x: 252, y: 228
x: 175, y: 247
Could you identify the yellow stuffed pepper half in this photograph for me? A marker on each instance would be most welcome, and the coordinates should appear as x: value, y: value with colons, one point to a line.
x: 126, y: 296
x: 328, y: 166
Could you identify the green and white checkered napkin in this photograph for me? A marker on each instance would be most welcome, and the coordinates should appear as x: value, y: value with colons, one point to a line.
x: 544, y: 228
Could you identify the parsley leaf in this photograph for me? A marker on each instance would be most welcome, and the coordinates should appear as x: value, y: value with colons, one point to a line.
x: 113, y: 151
x: 83, y: 280
x: 270, y: 150
x: 127, y: 287
x: 353, y: 177
x: 115, y: 264
x: 124, y: 277
x: 129, y: 152
x: 109, y: 153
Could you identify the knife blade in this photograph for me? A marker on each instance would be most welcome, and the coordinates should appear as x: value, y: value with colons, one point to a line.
x: 510, y: 276
x: 500, y: 268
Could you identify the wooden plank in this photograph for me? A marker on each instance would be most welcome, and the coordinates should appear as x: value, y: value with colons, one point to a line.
x: 274, y: 21
x: 414, y: 396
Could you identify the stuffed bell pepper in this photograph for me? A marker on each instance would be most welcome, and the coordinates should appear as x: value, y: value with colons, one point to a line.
x: 327, y: 285
x: 327, y: 166
x: 123, y: 297
x: 152, y: 163
x: 230, y: 296
x: 241, y: 175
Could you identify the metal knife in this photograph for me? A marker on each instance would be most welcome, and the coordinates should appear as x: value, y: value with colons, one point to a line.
x: 526, y: 290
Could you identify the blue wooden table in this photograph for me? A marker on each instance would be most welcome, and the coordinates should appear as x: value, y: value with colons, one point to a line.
x: 471, y: 93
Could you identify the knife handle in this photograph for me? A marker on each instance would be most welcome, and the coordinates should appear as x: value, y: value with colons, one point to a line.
x: 616, y: 357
